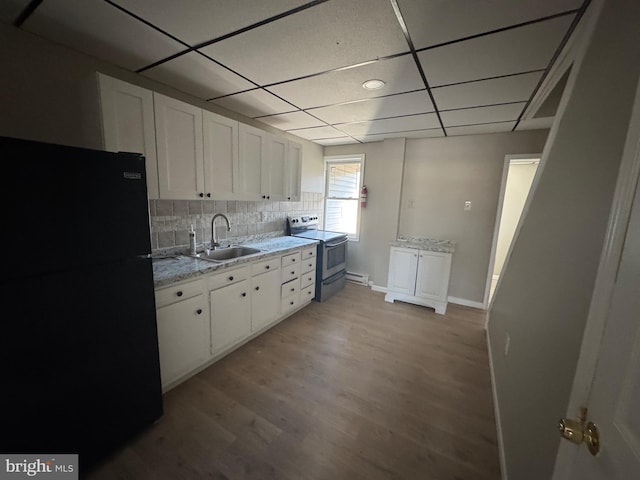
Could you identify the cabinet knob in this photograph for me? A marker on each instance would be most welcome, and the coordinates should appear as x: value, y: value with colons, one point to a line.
x: 291, y: 302
x: 311, y: 264
x: 267, y: 267
x: 293, y: 259
x: 208, y: 195
x: 288, y: 198
x: 264, y: 196
x: 257, y: 288
x: 244, y: 294
x: 231, y: 278
x: 199, y: 311
x: 268, y: 197
x: 293, y: 289
x: 179, y: 293
x: 201, y: 194
x: 293, y: 273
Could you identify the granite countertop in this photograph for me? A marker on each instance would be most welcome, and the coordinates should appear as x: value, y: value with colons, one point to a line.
x: 431, y: 244
x: 172, y: 268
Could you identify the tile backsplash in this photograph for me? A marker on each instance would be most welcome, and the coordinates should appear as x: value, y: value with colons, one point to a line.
x: 172, y: 219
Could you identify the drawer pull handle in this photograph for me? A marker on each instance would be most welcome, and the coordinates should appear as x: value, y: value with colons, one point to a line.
x: 257, y: 288
x: 231, y: 278
x: 244, y: 294
x: 199, y: 311
x: 179, y: 293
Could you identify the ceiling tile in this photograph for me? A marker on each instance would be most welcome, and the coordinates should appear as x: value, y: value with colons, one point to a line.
x: 10, y: 10
x: 382, y: 107
x: 336, y: 141
x: 485, y: 128
x: 429, y: 133
x: 101, y: 30
x: 289, y: 121
x: 254, y: 103
x: 400, y: 75
x: 328, y: 36
x: 494, y: 113
x: 517, y: 88
x: 206, y: 78
x: 513, y: 51
x: 197, y: 21
x: 315, y: 133
x: 390, y: 125
x: 435, y: 22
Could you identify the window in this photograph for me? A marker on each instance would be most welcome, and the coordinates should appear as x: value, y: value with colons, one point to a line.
x: 342, y: 194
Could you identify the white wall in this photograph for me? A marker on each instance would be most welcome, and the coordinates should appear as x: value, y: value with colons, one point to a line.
x: 440, y: 175
x: 49, y: 93
x: 544, y: 294
x: 519, y: 180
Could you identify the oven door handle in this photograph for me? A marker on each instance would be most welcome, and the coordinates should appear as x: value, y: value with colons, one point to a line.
x: 333, y: 245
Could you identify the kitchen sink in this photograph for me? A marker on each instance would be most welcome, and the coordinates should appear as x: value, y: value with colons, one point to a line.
x: 227, y: 253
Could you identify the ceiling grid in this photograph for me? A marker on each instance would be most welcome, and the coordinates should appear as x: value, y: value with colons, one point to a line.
x: 449, y: 68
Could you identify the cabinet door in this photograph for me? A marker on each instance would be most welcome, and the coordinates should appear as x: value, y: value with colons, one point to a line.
x: 265, y: 299
x: 253, y: 157
x: 230, y: 315
x: 274, y: 183
x: 293, y: 172
x: 180, y: 155
x: 403, y: 265
x: 433, y: 275
x: 128, y: 124
x: 220, y: 156
x: 183, y: 337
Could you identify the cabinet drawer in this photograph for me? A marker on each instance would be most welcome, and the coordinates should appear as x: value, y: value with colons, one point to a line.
x: 290, y: 303
x: 307, y: 279
x: 227, y: 277
x: 292, y: 259
x: 290, y: 288
x: 177, y: 293
x: 308, y: 253
x: 265, y: 266
x: 290, y: 272
x: 307, y: 293
x: 308, y: 265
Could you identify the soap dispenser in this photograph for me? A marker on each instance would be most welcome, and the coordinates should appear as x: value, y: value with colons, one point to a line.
x: 192, y: 241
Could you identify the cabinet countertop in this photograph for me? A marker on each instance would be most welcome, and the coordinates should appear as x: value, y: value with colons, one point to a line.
x: 177, y: 268
x: 430, y: 244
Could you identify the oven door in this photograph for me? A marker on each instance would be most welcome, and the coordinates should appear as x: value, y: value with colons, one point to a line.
x: 334, y: 258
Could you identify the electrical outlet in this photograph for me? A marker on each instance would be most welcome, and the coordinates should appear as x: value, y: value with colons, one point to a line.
x: 467, y: 205
x: 507, y: 344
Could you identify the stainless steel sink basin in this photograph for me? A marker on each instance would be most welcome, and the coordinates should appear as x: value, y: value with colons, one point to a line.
x: 228, y: 253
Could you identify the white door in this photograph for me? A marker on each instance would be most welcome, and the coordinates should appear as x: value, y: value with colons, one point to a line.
x: 614, y: 404
x: 432, y: 279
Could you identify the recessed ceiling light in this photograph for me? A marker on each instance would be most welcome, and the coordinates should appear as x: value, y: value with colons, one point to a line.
x: 373, y: 84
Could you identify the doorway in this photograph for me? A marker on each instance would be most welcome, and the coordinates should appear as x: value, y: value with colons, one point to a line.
x: 517, y: 179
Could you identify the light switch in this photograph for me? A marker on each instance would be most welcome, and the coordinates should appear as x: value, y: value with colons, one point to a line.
x: 412, y: 203
x: 467, y: 205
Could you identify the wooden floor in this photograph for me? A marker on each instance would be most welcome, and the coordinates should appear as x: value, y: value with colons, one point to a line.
x: 353, y: 388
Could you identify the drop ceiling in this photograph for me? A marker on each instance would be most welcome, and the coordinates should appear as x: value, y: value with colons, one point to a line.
x: 450, y: 67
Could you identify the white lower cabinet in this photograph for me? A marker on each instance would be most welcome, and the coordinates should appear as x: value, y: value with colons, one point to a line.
x: 183, y: 330
x: 265, y: 295
x: 230, y: 308
x: 202, y: 320
x: 419, y: 276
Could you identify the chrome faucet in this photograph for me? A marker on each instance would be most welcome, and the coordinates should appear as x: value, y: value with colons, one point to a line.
x: 214, y: 242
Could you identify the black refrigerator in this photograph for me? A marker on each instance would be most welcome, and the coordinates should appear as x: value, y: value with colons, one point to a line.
x: 78, y: 346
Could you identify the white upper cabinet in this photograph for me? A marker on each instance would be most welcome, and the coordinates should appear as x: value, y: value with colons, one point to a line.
x: 253, y: 148
x: 293, y: 171
x: 180, y: 149
x: 220, y: 156
x: 273, y: 178
x: 128, y: 124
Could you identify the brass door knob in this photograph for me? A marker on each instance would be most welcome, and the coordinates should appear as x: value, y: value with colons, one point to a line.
x: 577, y: 431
